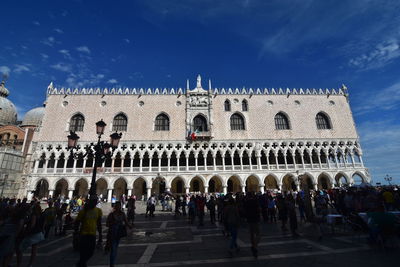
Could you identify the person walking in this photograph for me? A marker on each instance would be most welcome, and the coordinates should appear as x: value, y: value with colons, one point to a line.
x: 49, y: 215
x: 116, y: 223
x: 291, y: 209
x: 252, y: 213
x: 211, y: 208
x: 232, y: 219
x: 86, y: 223
x: 200, y: 203
x: 131, y: 209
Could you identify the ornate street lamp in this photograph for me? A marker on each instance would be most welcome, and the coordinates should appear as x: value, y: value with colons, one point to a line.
x: 101, y: 151
x: 388, y: 178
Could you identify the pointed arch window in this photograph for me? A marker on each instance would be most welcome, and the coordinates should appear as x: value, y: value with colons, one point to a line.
x: 162, y: 123
x: 245, y: 105
x: 77, y: 122
x: 237, y: 122
x: 322, y: 121
x: 281, y: 122
x: 120, y: 122
x: 227, y: 105
x: 200, y: 124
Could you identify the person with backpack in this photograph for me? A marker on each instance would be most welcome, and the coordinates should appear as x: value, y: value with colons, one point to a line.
x: 116, y: 223
x: 86, y: 223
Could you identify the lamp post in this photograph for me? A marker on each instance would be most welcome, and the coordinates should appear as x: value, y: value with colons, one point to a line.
x: 388, y: 178
x: 101, y: 150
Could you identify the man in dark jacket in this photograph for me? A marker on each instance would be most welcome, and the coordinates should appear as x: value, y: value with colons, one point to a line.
x: 252, y: 211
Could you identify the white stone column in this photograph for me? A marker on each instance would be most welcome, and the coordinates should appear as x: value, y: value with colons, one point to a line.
x: 352, y: 159
x: 280, y: 186
x: 319, y: 160
x: 159, y: 163
x: 361, y: 160
x: 187, y: 188
x: 262, y: 188
x: 336, y: 161
x: 148, y: 192
x: 302, y: 160
x: 225, y: 189
x: 311, y: 161
x: 223, y: 163
x: 268, y: 161
x: 129, y: 192
x: 51, y: 193
x: 196, y: 163
x: 109, y: 195
x: 70, y: 193
x: 131, y: 165
x: 65, y: 165
x: 35, y: 169
x: 169, y: 163
x: 84, y: 163
x: 55, y: 165
x: 214, y: 163
x: 140, y: 164
x: 344, y: 160
x: 187, y: 163
x: 45, y: 166
x: 206, y: 189
x: 259, y: 162
x: 233, y: 163
x: 328, y: 160
x: 276, y: 161
x: 241, y: 162
x: 294, y: 160
x: 177, y: 163
x: 243, y: 188
x: 74, y: 166
x: 284, y: 157
x: 112, y: 164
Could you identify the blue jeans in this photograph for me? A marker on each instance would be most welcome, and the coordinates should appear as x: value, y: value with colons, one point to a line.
x: 113, y: 251
x: 233, y: 231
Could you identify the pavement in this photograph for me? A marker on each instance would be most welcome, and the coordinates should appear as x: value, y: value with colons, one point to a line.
x: 168, y: 241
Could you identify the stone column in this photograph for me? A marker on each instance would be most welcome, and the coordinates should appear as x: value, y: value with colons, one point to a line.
x: 187, y: 163
x: 311, y: 161
x: 294, y: 160
x: 225, y: 189
x: 84, y: 163
x: 169, y: 163
x: 206, y: 189
x: 51, y: 193
x: 223, y: 162
x: 336, y: 161
x: 131, y: 165
x: 74, y: 166
x: 361, y: 160
x: 112, y: 164
x: 319, y: 160
x: 129, y: 192
x: 36, y: 166
x: 284, y: 157
x: 276, y: 160
x: 302, y: 160
x: 177, y: 163
x: 196, y: 163
x: 159, y: 163
x: 267, y: 160
x: 243, y: 188
x: 187, y: 188
x: 233, y: 163
x: 148, y: 192
x: 55, y: 165
x: 65, y: 165
x: 45, y: 165
x: 241, y: 162
x: 140, y: 164
x: 215, y: 163
x: 327, y: 160
x: 70, y: 193
x: 352, y: 159
x: 109, y: 195
x: 259, y: 162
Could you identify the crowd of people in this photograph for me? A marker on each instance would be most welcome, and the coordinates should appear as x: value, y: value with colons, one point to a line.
x: 25, y: 224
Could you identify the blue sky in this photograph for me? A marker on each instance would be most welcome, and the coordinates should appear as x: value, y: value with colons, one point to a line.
x: 236, y: 43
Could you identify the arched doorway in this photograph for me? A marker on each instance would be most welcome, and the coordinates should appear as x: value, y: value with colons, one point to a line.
x: 177, y: 186
x: 41, y: 189
x: 358, y: 179
x: 341, y: 180
x: 215, y: 185
x: 306, y: 182
x: 81, y: 188
x: 120, y: 188
x: 61, y: 188
x: 234, y: 185
x: 252, y: 184
x: 288, y: 183
x: 270, y: 183
x: 139, y: 188
x: 196, y: 185
x: 324, y: 183
x: 101, y: 188
x: 158, y: 186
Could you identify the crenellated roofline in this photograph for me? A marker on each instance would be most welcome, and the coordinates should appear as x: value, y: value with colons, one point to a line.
x: 51, y: 90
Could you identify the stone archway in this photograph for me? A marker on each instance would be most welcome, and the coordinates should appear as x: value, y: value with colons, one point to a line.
x: 158, y: 186
x: 120, y: 188
x: 306, y: 182
x: 324, y: 183
x: 215, y: 185
x: 341, y: 180
x: 61, y: 188
x: 101, y: 188
x: 41, y: 189
x: 178, y: 185
x: 196, y: 185
x: 270, y: 183
x: 81, y: 188
x: 288, y: 183
x: 252, y: 184
x: 234, y: 185
x: 357, y: 179
x: 139, y: 188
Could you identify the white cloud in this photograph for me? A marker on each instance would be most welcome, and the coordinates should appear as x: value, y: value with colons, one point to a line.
x: 44, y: 56
x: 21, y: 68
x: 383, y: 99
x: 65, y: 53
x: 83, y: 49
x: 112, y: 81
x: 4, y: 70
x: 50, y: 41
x: 381, y: 55
x: 37, y: 23
x: 61, y: 67
x: 57, y: 30
x: 127, y: 40
x: 100, y: 76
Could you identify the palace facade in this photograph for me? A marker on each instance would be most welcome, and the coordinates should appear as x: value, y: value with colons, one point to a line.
x: 197, y: 140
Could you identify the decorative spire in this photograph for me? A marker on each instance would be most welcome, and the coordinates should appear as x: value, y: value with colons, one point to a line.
x: 187, y: 84
x: 198, y: 81
x: 3, y: 90
x: 209, y: 85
